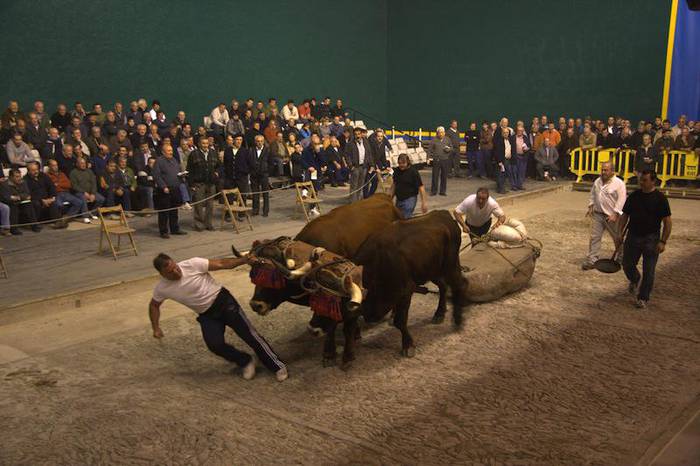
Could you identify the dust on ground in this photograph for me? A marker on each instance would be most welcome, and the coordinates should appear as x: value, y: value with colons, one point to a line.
x: 565, y: 371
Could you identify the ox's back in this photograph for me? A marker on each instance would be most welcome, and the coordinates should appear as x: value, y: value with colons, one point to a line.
x: 345, y: 228
x: 418, y: 249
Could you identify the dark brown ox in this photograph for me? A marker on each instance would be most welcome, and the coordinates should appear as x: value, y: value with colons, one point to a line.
x: 341, y: 231
x: 404, y: 256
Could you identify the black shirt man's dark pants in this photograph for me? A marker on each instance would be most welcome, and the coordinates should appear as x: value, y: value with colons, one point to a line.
x: 644, y: 247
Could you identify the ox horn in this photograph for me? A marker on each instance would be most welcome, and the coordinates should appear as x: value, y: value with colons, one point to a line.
x: 316, y: 253
x: 291, y: 264
x: 238, y: 254
x: 303, y: 270
x: 354, y: 290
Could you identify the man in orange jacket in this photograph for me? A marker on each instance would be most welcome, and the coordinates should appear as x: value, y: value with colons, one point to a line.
x: 64, y: 196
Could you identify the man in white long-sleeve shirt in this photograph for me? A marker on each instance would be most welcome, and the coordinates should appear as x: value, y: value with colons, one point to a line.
x: 219, y: 120
x: 290, y: 112
x: 608, y: 196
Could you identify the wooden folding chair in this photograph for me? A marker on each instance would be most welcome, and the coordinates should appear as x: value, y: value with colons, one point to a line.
x: 107, y: 230
x: 235, y: 208
x: 385, y: 184
x: 3, y: 269
x: 309, y: 199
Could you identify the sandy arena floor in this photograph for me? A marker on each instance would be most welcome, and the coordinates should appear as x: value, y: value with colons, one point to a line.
x: 564, y: 372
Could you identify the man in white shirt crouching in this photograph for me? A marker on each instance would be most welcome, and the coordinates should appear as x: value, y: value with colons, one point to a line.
x: 474, y: 213
x: 608, y: 196
x: 189, y: 283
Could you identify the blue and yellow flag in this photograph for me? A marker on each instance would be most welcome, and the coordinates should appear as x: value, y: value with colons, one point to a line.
x: 682, y: 78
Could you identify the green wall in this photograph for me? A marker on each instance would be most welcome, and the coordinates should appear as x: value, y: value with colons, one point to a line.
x: 192, y: 54
x: 412, y: 63
x: 481, y: 60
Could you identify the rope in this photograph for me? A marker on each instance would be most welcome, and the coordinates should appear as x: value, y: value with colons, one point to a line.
x: 374, y: 175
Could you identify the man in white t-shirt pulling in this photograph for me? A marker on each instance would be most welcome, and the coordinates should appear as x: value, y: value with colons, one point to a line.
x: 474, y: 213
x: 189, y: 283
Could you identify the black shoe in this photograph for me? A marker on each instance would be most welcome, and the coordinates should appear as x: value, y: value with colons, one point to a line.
x: 334, y: 185
x: 443, y: 194
x: 15, y: 231
x: 179, y: 233
x: 164, y: 235
x: 342, y: 185
x: 433, y: 194
x: 254, y: 213
x: 210, y: 228
x: 265, y: 214
x: 198, y: 228
x: 36, y: 228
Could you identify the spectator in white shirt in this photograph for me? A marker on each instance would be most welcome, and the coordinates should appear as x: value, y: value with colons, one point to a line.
x: 608, y: 196
x: 290, y: 112
x: 219, y: 119
x: 155, y: 108
x: 474, y: 213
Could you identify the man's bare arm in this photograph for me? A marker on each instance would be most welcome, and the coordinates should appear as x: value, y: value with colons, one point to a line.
x: 154, y: 315
x: 231, y: 263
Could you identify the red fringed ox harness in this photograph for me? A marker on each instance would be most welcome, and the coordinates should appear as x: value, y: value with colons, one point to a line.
x: 326, y: 305
x: 267, y: 276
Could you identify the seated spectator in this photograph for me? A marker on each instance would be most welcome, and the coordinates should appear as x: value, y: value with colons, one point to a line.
x: 14, y: 193
x: 111, y: 126
x: 134, y: 113
x: 625, y: 142
x: 84, y: 184
x: 665, y: 125
x: 145, y: 184
x: 155, y: 108
x: 119, y: 115
x: 607, y: 140
x: 121, y: 139
x: 53, y: 146
x: 588, y: 139
x: 279, y: 154
x: 646, y: 157
x: 678, y: 128
x: 235, y: 124
x: 99, y: 162
x: 112, y: 186
x: 154, y: 139
x: 180, y: 119
x: 77, y: 140
x: 64, y: 196
x: 128, y: 178
x: 546, y: 158
x: 99, y: 113
x: 219, y: 119
x: 61, y: 118
x: 338, y: 109
x: 18, y: 152
x: 270, y: 132
x: 139, y: 137
x: 290, y: 112
x: 336, y: 128
x: 5, y: 201
x: 11, y: 116
x: 638, y: 135
x: 36, y: 135
x: 247, y: 119
x: 94, y: 140
x: 43, y: 194
x: 685, y: 141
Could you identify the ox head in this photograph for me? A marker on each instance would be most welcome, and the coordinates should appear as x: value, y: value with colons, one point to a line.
x: 273, y: 284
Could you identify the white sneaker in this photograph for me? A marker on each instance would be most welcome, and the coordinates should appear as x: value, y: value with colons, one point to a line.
x: 114, y: 217
x: 315, y: 212
x: 86, y: 220
x: 129, y: 215
x: 282, y: 374
x: 187, y: 206
x: 94, y: 217
x: 249, y: 370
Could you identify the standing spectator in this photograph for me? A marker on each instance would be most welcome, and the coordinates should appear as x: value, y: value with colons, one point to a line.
x: 588, y: 139
x: 234, y: 125
x: 5, y: 201
x: 15, y: 193
x: 665, y: 125
x: 167, y: 196
x: 440, y: 150
x: 455, y: 156
x: 665, y: 142
x: 608, y: 196
x: 552, y: 134
x: 522, y: 150
x: 36, y: 135
x: 638, y: 135
x: 647, y: 156
x: 359, y: 157
x: 569, y: 142
x: 112, y: 185
x: 644, y: 212
x: 338, y: 109
x: 474, y: 161
x: 406, y: 188
x: 84, y: 184
x: 546, y: 157
x: 337, y: 165
x: 279, y: 154
x: 685, y: 141
x: 324, y: 109
x: 202, y: 166
x: 53, y: 146
x: 259, y: 175
x: 64, y: 195
x: 381, y: 150
x: 503, y: 152
x: 145, y: 185
x: 682, y: 120
x: 219, y: 119
x: 43, y: 195
x: 486, y: 146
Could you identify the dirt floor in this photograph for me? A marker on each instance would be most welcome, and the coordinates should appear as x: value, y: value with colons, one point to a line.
x: 563, y: 372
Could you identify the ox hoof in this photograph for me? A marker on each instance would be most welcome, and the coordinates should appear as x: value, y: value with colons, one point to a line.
x: 408, y: 352
x: 328, y: 362
x: 438, y: 319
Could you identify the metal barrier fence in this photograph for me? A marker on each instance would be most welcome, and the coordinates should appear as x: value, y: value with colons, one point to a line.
x: 674, y: 165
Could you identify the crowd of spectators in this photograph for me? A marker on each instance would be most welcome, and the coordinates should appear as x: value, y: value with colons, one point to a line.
x: 65, y: 164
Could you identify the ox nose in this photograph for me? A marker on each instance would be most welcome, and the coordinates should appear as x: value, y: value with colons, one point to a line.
x: 259, y: 307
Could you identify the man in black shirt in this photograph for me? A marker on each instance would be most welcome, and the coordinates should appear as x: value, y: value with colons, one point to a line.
x: 645, y: 209
x: 406, y: 187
